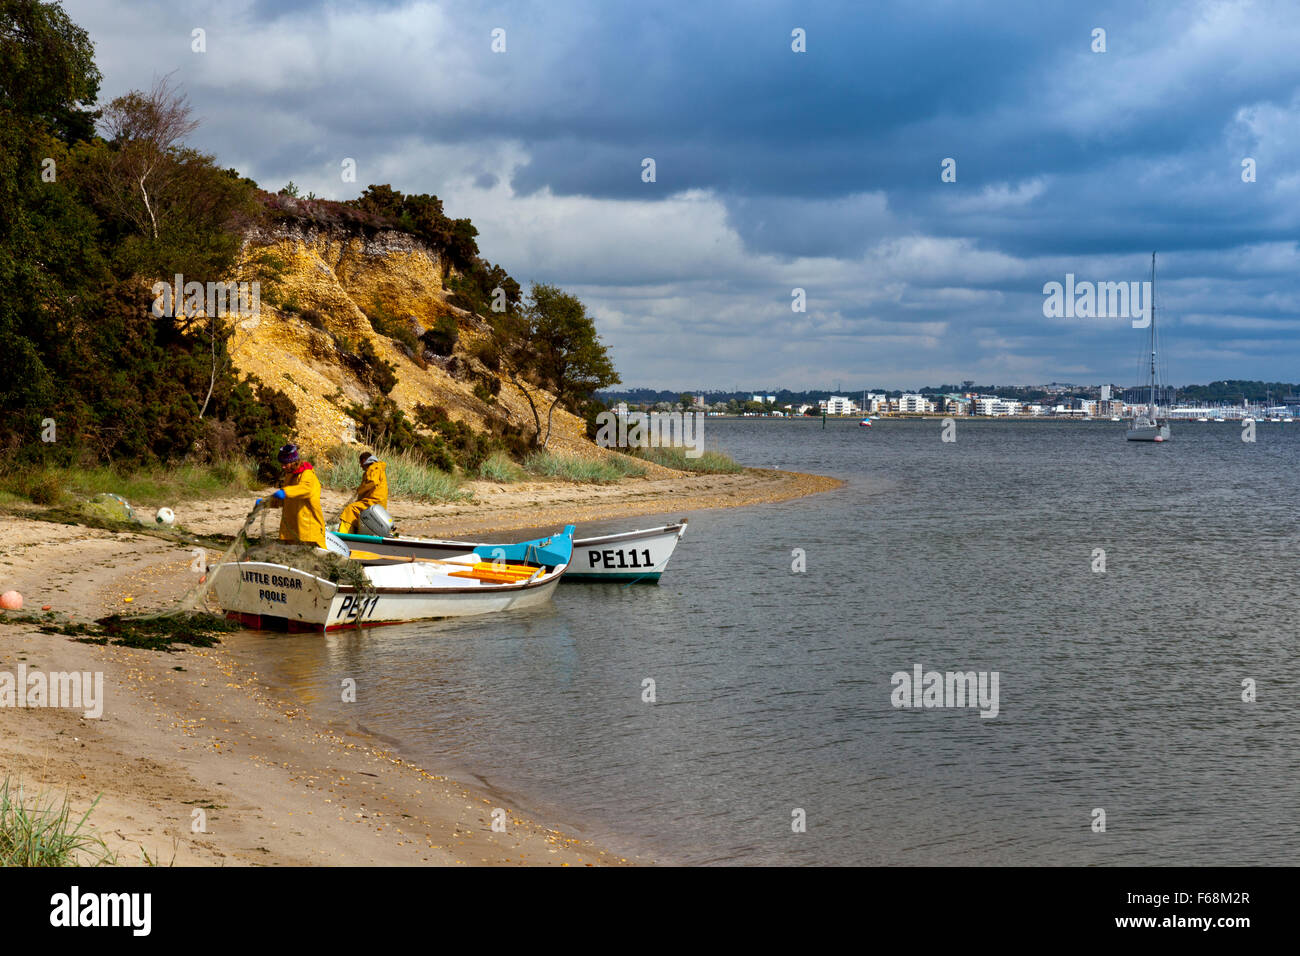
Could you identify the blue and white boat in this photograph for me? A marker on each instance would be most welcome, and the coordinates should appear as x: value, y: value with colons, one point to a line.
x: 626, y: 556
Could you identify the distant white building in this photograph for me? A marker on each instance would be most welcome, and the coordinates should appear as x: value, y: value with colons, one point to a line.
x: 876, y: 403
x: 916, y: 404
x: 992, y: 405
x: 838, y: 405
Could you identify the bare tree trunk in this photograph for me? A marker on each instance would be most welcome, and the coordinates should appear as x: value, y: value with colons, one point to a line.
x: 537, y: 419
x: 213, y: 380
x: 549, y: 416
x: 152, y: 218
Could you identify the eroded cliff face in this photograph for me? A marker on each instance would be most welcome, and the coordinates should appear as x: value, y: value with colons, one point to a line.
x: 335, y: 276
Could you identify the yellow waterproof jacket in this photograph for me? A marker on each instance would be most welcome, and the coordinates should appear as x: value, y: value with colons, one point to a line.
x: 374, y: 486
x: 302, y: 520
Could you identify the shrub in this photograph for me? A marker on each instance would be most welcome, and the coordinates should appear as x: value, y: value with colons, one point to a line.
x: 40, y: 486
x: 371, y: 370
x: 442, y: 338
x: 487, y: 352
x: 396, y: 328
x: 264, y: 418
x: 468, y: 447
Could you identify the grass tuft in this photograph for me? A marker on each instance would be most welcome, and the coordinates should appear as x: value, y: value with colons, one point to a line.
x: 584, y: 470
x: 710, y: 462
x: 409, y: 476
x: 38, y: 830
x: 156, y: 485
x: 500, y: 467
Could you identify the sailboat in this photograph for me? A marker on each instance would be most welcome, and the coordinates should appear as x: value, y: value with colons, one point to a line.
x: 1148, y: 426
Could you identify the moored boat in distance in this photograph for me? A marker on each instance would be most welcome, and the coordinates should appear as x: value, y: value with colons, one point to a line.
x: 1147, y: 426
x: 640, y: 555
x: 268, y: 595
x: 865, y: 423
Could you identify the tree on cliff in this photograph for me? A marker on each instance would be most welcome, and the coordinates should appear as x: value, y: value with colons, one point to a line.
x: 145, y: 130
x: 552, y: 343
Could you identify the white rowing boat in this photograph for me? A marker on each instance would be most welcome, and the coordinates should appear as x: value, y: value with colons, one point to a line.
x: 640, y: 555
x: 265, y: 595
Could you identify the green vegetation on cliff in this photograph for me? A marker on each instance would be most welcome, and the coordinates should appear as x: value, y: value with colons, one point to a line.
x: 100, y: 203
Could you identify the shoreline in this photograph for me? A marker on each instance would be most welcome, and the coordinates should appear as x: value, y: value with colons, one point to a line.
x: 197, y: 737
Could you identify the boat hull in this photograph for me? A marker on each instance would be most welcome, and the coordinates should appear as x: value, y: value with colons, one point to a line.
x: 624, y: 557
x: 278, y: 596
x: 1153, y: 433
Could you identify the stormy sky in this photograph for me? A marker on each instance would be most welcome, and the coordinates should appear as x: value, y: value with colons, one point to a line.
x: 818, y: 170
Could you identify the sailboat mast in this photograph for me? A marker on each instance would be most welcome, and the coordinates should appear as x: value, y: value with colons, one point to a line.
x: 1153, y: 337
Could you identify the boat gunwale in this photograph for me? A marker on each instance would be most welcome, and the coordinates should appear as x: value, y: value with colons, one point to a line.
x: 487, y: 587
x: 674, y: 527
x: 677, y: 528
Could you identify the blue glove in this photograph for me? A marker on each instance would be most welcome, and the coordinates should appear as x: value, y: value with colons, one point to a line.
x: 279, y: 494
x: 258, y: 503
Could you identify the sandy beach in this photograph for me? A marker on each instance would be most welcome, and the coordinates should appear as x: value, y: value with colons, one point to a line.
x: 194, y: 737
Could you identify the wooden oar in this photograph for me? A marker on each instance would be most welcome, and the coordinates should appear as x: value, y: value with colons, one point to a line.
x: 479, y: 570
x: 469, y: 559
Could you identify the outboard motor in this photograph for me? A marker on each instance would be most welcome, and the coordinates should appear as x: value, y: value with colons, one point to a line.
x: 375, y: 520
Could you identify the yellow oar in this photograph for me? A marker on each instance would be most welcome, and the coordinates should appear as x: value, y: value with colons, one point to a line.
x: 482, y: 570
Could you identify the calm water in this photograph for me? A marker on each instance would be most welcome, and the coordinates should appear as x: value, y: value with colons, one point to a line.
x: 1118, y: 690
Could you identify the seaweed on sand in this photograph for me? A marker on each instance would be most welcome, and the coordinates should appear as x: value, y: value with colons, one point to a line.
x: 156, y: 632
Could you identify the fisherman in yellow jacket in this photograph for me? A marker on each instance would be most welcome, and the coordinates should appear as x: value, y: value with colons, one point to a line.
x: 373, y: 490
x: 302, y: 522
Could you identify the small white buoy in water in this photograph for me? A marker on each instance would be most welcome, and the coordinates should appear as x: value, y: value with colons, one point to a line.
x: 165, y: 516
x: 11, y: 601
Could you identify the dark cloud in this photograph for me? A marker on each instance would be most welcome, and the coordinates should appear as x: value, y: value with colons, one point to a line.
x: 819, y: 170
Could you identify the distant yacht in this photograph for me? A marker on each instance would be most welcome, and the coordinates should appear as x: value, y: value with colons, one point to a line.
x: 865, y: 423
x: 1148, y: 426
x: 1202, y: 419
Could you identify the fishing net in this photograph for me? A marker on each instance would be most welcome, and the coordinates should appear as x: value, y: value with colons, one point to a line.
x: 268, y: 548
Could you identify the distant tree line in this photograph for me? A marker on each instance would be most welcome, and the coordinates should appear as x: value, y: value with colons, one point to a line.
x: 1235, y: 391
